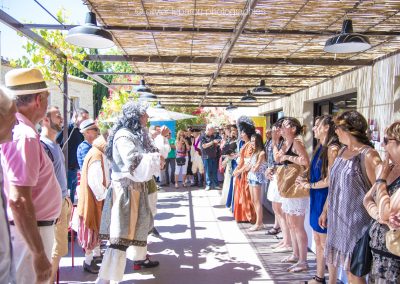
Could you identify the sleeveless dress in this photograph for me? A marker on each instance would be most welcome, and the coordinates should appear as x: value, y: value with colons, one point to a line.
x: 231, y: 194
x: 294, y: 206
x: 257, y: 177
x: 317, y: 196
x: 243, y: 207
x: 384, y: 267
x: 347, y: 218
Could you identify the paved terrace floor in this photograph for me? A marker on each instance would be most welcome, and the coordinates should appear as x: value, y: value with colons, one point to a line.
x: 201, y: 243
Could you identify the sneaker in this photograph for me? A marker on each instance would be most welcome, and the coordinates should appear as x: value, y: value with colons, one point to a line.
x: 217, y: 187
x: 147, y: 263
x: 207, y: 188
x: 92, y: 268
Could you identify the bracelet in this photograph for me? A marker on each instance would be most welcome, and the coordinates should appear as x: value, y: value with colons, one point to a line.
x: 380, y: 180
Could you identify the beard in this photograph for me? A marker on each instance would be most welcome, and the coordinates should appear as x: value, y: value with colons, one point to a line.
x: 54, y: 126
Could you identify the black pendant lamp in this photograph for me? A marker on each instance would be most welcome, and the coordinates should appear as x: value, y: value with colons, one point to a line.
x: 90, y: 35
x: 159, y: 105
x: 145, y: 93
x: 231, y: 106
x: 347, y: 41
x: 262, y: 89
x: 248, y: 98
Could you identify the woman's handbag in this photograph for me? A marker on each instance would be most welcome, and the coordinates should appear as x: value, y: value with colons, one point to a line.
x: 286, y: 178
x: 181, y: 161
x: 361, y: 259
x: 393, y: 242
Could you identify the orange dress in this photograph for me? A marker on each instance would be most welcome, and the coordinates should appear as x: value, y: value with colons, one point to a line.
x: 243, y: 209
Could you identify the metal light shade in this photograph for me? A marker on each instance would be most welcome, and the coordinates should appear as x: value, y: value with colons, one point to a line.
x: 262, y: 89
x: 347, y: 41
x: 248, y: 98
x: 159, y: 105
x: 90, y: 35
x: 145, y: 93
x: 231, y: 106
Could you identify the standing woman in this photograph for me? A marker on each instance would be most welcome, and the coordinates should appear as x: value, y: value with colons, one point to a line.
x: 350, y: 178
x: 294, y: 152
x: 322, y: 160
x: 256, y: 178
x: 182, y: 147
x: 243, y: 210
x: 382, y: 199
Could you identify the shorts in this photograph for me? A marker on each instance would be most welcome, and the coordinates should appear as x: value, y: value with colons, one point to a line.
x: 254, y: 182
x: 295, y: 206
x: 60, y: 246
x: 273, y: 192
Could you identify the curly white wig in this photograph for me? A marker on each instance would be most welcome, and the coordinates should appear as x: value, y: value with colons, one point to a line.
x: 130, y: 119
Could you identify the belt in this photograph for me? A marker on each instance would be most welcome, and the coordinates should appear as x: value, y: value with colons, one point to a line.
x: 40, y: 223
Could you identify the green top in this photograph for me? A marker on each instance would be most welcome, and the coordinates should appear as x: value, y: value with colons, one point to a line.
x: 172, y: 153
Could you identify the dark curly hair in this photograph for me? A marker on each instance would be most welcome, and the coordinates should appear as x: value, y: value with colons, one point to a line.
x: 354, y: 123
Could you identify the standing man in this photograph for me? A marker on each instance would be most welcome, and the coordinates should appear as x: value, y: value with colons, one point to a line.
x: 31, y: 186
x: 51, y: 125
x: 209, y: 148
x: 74, y: 139
x: 90, y: 132
x: 7, y: 117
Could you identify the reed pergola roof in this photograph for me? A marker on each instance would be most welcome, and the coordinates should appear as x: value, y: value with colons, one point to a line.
x: 209, y: 52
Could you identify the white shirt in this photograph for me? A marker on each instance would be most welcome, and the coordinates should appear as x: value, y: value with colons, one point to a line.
x: 95, y: 178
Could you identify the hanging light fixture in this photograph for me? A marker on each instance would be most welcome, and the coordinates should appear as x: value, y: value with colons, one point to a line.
x: 145, y: 93
x: 262, y: 89
x: 90, y: 35
x: 248, y: 98
x: 159, y: 105
x: 347, y: 41
x: 231, y: 106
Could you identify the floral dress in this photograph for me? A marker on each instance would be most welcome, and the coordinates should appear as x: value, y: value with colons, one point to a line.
x: 384, y: 267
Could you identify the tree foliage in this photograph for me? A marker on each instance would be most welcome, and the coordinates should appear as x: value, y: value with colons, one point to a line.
x: 52, y: 66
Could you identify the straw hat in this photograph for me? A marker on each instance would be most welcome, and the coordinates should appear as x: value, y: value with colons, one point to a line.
x: 25, y: 81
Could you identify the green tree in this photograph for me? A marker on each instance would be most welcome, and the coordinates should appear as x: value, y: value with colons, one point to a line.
x: 49, y: 63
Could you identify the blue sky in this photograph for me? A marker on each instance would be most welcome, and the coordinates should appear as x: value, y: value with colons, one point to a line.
x: 29, y: 11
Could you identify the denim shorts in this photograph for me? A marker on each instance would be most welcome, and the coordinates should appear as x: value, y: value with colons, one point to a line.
x: 254, y: 182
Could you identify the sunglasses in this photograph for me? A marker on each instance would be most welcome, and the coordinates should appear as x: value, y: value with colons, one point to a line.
x: 386, y: 140
x: 94, y: 129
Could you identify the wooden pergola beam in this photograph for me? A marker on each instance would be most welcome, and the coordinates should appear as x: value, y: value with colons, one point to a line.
x: 230, y: 60
x: 204, y: 85
x: 159, y: 29
x: 198, y: 94
x: 208, y: 75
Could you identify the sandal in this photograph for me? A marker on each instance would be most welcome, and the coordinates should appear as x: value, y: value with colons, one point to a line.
x: 290, y: 259
x: 300, y: 266
x: 316, y: 279
x: 256, y: 228
x: 273, y: 231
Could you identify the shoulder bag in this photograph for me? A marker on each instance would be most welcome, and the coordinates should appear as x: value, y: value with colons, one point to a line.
x: 286, y: 178
x: 361, y: 258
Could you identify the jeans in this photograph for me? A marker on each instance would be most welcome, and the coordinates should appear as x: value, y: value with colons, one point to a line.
x: 72, y: 182
x: 169, y: 170
x: 210, y: 169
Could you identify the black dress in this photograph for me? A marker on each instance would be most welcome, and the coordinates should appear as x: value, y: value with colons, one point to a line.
x: 384, y: 267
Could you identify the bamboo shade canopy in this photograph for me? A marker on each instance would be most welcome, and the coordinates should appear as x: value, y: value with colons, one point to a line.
x: 292, y: 31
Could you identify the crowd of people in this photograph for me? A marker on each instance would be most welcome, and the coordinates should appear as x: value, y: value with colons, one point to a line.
x: 346, y: 187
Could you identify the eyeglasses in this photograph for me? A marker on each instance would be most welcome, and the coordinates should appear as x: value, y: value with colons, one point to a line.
x: 386, y: 140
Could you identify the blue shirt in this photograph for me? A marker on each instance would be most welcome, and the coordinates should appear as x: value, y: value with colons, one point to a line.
x: 58, y: 163
x: 81, y: 152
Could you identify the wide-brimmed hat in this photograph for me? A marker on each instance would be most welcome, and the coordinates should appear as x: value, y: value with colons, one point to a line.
x: 86, y: 124
x: 25, y: 81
